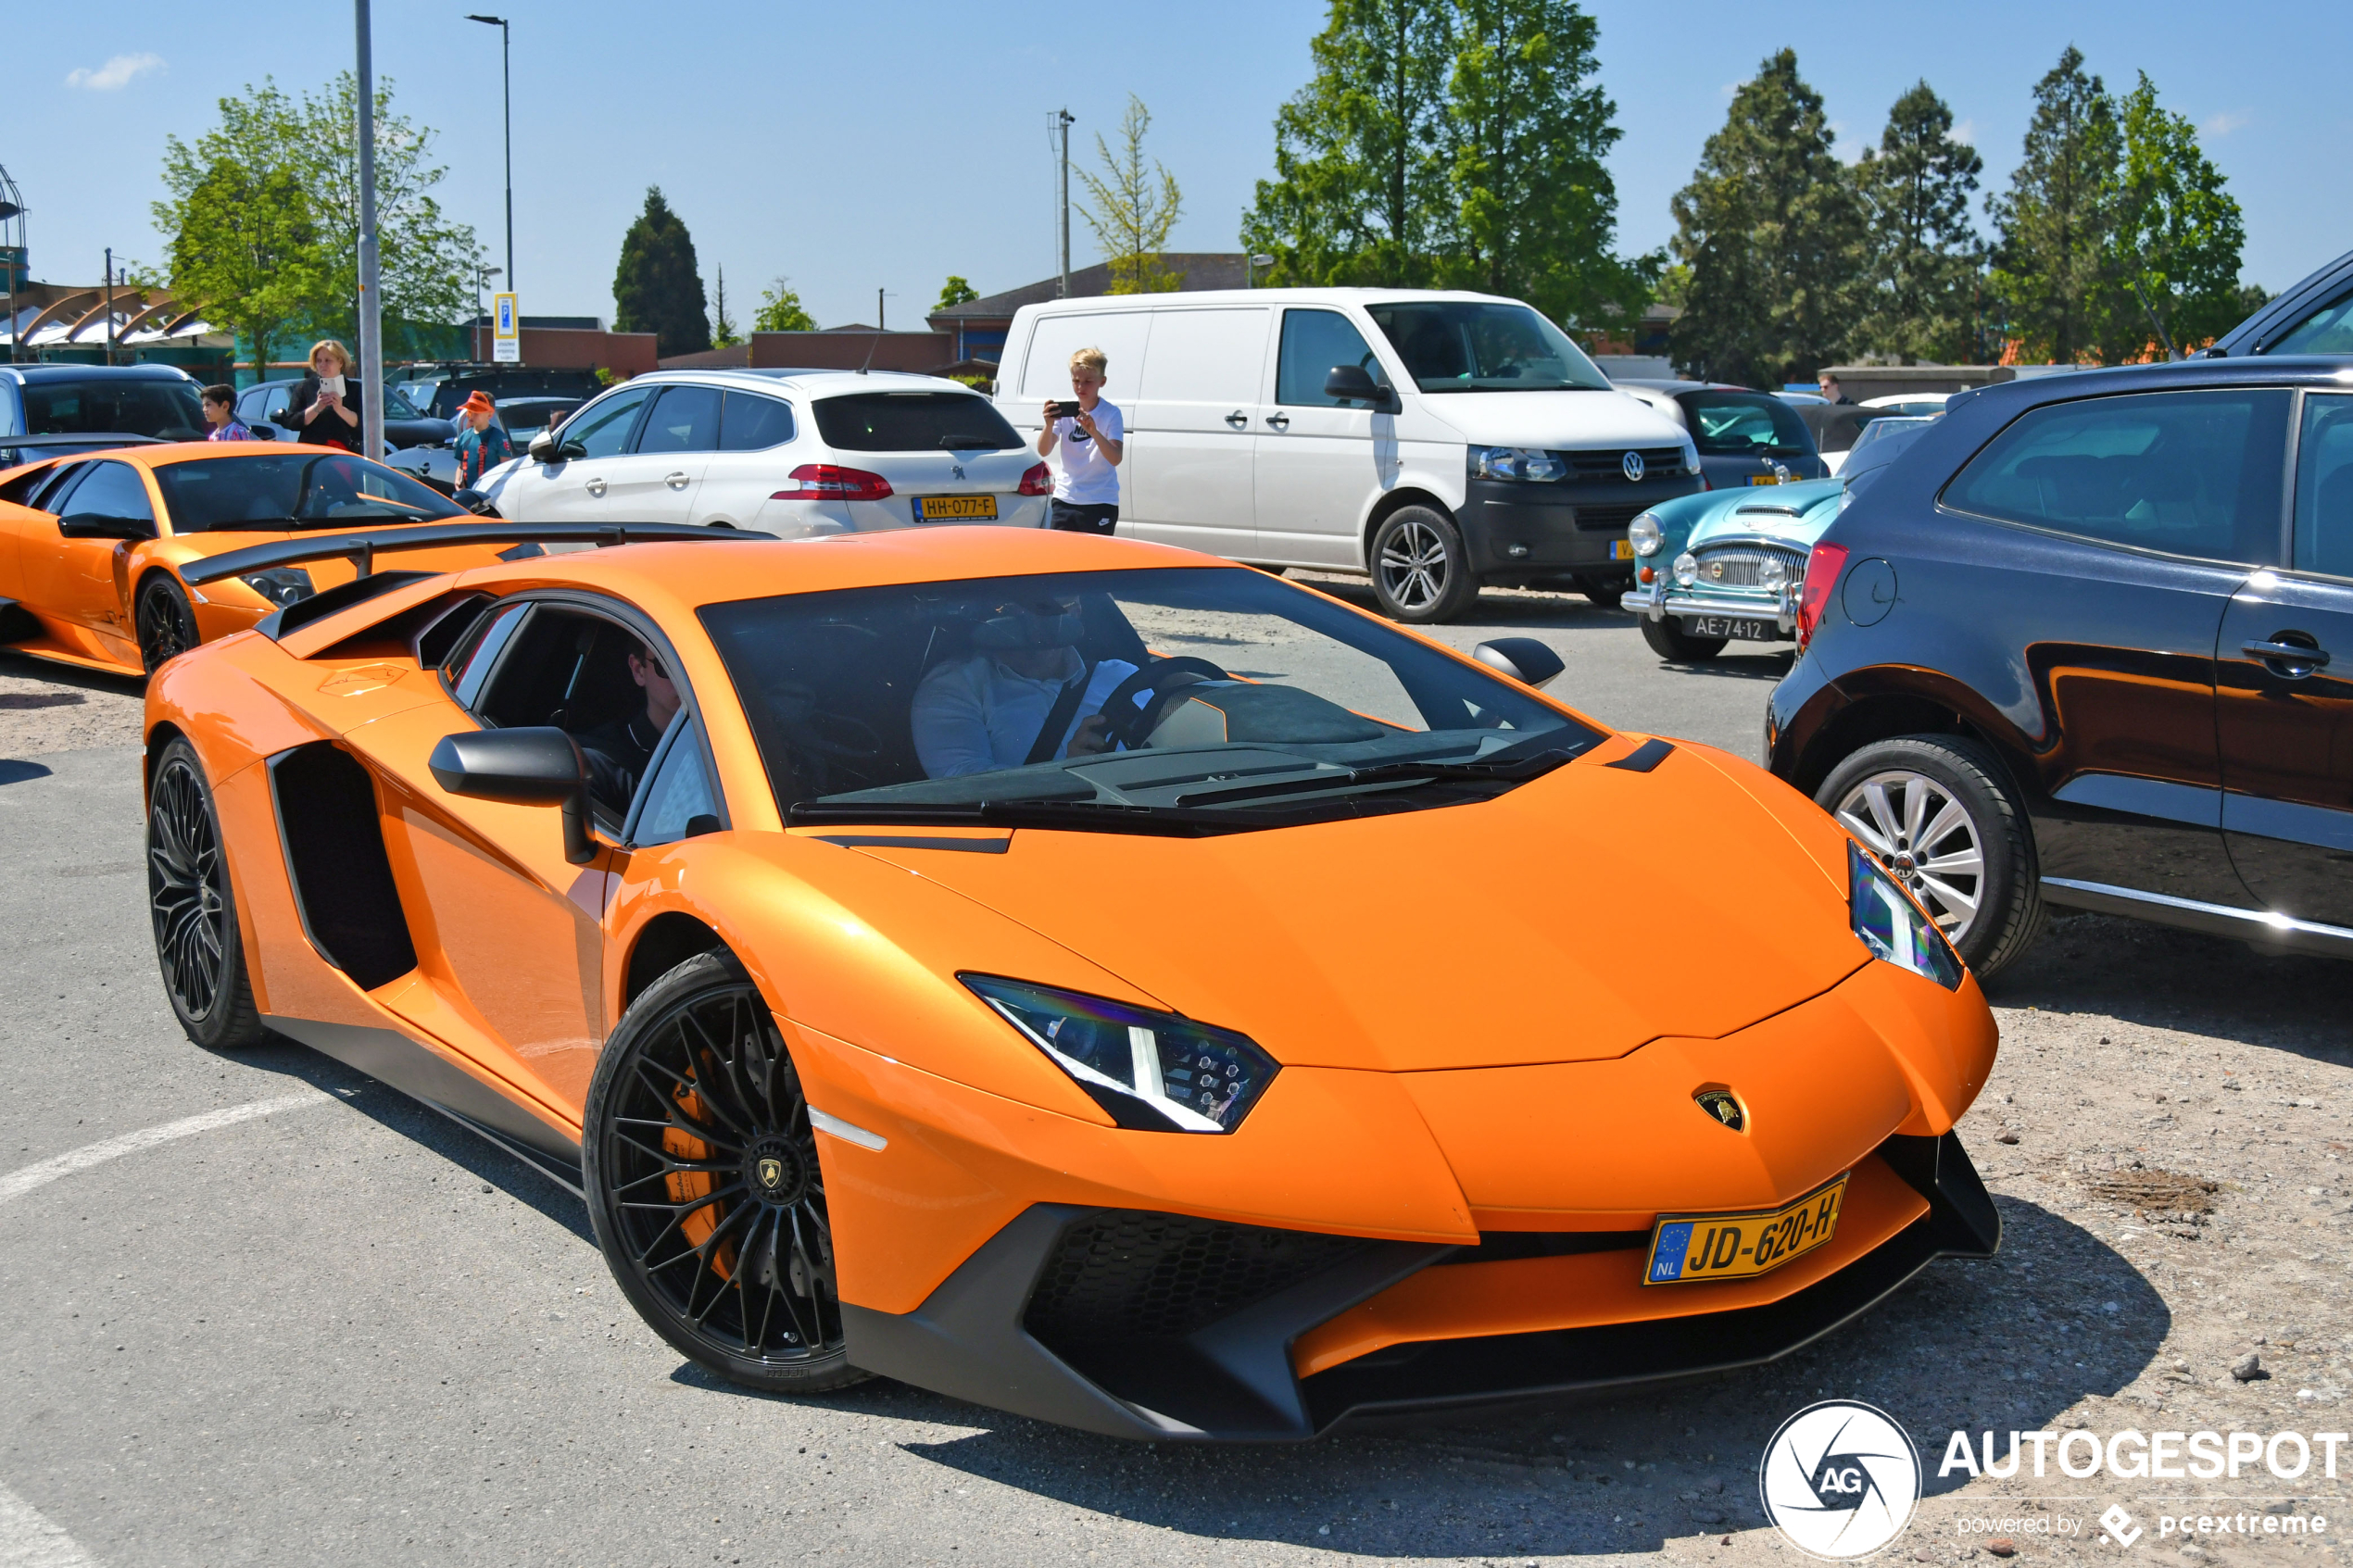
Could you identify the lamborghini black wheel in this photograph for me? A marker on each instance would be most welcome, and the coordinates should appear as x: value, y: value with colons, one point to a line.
x: 704, y: 1186
x: 198, y: 943
x: 166, y: 623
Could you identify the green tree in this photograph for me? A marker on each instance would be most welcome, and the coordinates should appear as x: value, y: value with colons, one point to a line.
x: 1361, y: 191
x: 723, y: 331
x: 1537, y: 212
x: 2053, y: 225
x: 1134, y: 209
x: 657, y: 288
x: 780, y: 311
x: 1772, y: 232
x: 1924, y: 255
x: 2173, y: 257
x: 955, y: 291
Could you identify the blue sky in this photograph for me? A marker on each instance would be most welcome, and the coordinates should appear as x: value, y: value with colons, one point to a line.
x: 884, y: 145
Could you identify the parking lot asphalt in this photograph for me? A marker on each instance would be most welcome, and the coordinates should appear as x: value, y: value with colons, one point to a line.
x: 258, y: 1309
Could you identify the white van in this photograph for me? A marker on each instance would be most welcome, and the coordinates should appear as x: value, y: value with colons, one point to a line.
x: 1435, y: 440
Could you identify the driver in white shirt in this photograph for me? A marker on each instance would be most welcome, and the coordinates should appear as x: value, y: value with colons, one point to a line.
x: 990, y: 710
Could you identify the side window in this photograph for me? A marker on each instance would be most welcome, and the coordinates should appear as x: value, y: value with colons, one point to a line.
x: 20, y: 490
x: 471, y: 664
x: 2190, y: 474
x: 114, y: 490
x: 2328, y: 330
x: 678, y: 792
x: 684, y: 418
x: 2324, y: 487
x: 601, y: 430
x: 1313, y: 343
x: 752, y: 424
x: 275, y: 407
x: 63, y: 478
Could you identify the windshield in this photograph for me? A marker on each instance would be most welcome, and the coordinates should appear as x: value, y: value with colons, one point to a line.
x: 913, y: 422
x: 1746, y: 424
x: 1172, y: 699
x: 1466, y: 345
x: 117, y: 406
x: 305, y: 488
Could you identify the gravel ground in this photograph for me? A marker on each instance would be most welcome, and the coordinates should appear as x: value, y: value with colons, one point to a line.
x: 2175, y: 1199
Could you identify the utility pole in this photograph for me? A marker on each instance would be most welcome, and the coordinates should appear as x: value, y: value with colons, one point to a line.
x: 12, y: 208
x: 110, y: 304
x: 878, y: 310
x: 371, y: 333
x: 507, y: 81
x: 1061, y: 122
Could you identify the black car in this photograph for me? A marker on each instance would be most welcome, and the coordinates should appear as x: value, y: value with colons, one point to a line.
x: 263, y: 408
x: 1744, y: 436
x: 2315, y: 317
x: 452, y: 385
x: 159, y: 402
x: 2088, y: 641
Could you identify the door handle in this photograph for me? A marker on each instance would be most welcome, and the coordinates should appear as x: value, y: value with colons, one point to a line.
x: 1280, y: 421
x: 1238, y: 419
x: 595, y: 487
x: 2275, y: 654
x: 675, y: 481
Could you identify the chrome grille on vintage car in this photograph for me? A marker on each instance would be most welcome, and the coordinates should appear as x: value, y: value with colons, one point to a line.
x: 1743, y: 566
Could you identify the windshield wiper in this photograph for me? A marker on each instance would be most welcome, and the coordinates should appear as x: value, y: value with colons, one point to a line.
x: 1087, y: 816
x: 1502, y: 767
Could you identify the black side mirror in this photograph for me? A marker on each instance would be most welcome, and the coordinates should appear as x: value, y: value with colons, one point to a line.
x: 97, y: 525
x: 1524, y: 660
x: 534, y: 766
x: 1353, y: 383
x: 475, y: 502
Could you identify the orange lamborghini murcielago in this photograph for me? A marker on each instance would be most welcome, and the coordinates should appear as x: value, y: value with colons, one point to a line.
x: 1078, y: 976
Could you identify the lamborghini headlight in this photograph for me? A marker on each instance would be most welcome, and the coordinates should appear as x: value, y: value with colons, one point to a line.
x: 1153, y: 1072
x: 1646, y: 535
x: 1891, y: 926
x: 282, y: 586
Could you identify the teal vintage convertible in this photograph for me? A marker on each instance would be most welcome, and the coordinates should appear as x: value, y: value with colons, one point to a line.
x: 1727, y: 566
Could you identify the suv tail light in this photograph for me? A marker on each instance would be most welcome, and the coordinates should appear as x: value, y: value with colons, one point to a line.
x: 1039, y: 481
x: 826, y: 482
x: 1822, y: 568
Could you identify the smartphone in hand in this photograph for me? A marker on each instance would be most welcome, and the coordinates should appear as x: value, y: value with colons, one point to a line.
x: 1063, y: 410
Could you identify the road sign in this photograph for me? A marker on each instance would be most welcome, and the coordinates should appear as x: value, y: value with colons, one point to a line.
x: 506, y: 330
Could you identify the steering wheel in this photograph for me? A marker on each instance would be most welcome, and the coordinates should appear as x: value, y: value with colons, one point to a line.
x: 1130, y: 715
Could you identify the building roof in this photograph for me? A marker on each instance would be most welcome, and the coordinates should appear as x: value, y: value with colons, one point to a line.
x: 1194, y: 269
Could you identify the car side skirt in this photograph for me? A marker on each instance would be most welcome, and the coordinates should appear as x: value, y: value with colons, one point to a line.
x: 2191, y: 914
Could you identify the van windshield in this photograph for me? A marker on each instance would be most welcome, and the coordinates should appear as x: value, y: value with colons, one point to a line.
x: 1475, y: 346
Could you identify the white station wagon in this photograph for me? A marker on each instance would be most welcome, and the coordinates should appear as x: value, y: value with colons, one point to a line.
x: 785, y: 452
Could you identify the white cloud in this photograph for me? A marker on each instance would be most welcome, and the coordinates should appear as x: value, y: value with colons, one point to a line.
x: 117, y: 72
x: 2223, y: 124
x: 1965, y: 131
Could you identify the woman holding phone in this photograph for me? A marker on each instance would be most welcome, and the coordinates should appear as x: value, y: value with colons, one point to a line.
x: 325, y: 406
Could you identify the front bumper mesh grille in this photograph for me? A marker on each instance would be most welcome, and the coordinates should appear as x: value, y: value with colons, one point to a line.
x: 1131, y: 1274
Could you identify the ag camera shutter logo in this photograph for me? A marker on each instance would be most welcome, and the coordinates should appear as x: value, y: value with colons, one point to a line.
x: 1840, y: 1480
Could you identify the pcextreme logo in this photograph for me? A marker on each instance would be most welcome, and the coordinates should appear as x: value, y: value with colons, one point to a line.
x: 1840, y: 1479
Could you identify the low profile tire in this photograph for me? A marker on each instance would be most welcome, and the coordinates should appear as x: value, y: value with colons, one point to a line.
x: 1941, y: 813
x: 200, y: 945
x: 1607, y: 595
x: 1421, y: 572
x: 1669, y: 640
x: 704, y: 1186
x: 165, y: 621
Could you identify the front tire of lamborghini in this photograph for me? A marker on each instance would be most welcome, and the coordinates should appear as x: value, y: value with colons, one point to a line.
x: 704, y: 1186
x: 165, y: 621
x: 200, y: 945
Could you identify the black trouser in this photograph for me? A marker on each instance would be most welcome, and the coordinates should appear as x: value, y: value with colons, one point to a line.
x: 1076, y: 517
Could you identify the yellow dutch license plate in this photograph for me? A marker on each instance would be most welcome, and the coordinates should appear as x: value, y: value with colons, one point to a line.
x: 1621, y: 549
x: 1689, y: 1248
x: 955, y: 509
x: 1764, y: 478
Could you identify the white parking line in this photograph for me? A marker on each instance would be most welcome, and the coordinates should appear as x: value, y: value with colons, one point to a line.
x: 29, y: 1540
x: 16, y: 1184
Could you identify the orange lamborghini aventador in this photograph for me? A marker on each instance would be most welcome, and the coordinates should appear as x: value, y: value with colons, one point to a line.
x: 92, y: 544
x: 1081, y: 976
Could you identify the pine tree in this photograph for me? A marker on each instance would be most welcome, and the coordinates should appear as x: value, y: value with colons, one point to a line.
x: 2054, y: 224
x: 1924, y: 252
x: 723, y: 329
x: 1772, y: 232
x: 657, y: 288
x: 2173, y: 252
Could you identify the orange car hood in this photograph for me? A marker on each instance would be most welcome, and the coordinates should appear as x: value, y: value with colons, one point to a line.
x: 1571, y: 920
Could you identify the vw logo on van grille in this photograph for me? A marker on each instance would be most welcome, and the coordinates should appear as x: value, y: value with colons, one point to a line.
x: 1632, y: 464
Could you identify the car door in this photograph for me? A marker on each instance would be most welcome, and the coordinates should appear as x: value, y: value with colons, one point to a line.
x: 753, y: 461
x: 1186, y: 479
x: 2285, y: 692
x: 675, y: 440
x: 577, y: 488
x: 83, y: 584
x: 2148, y: 511
x: 1319, y: 462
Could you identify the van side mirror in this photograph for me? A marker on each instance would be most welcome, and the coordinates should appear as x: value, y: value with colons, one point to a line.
x: 536, y: 765
x: 1524, y: 660
x: 97, y: 525
x: 1353, y: 383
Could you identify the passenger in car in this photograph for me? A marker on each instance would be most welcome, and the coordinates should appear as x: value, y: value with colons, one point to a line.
x: 1023, y: 696
x: 618, y: 749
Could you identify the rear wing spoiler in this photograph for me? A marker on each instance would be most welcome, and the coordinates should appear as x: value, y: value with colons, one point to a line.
x: 361, y: 547
x: 96, y: 440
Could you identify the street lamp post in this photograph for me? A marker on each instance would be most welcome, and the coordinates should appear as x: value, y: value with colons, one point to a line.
x: 506, y: 113
x: 12, y: 210
x: 372, y: 332
x: 1255, y: 263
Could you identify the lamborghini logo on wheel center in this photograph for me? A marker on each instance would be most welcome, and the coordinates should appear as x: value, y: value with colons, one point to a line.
x: 772, y: 1173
